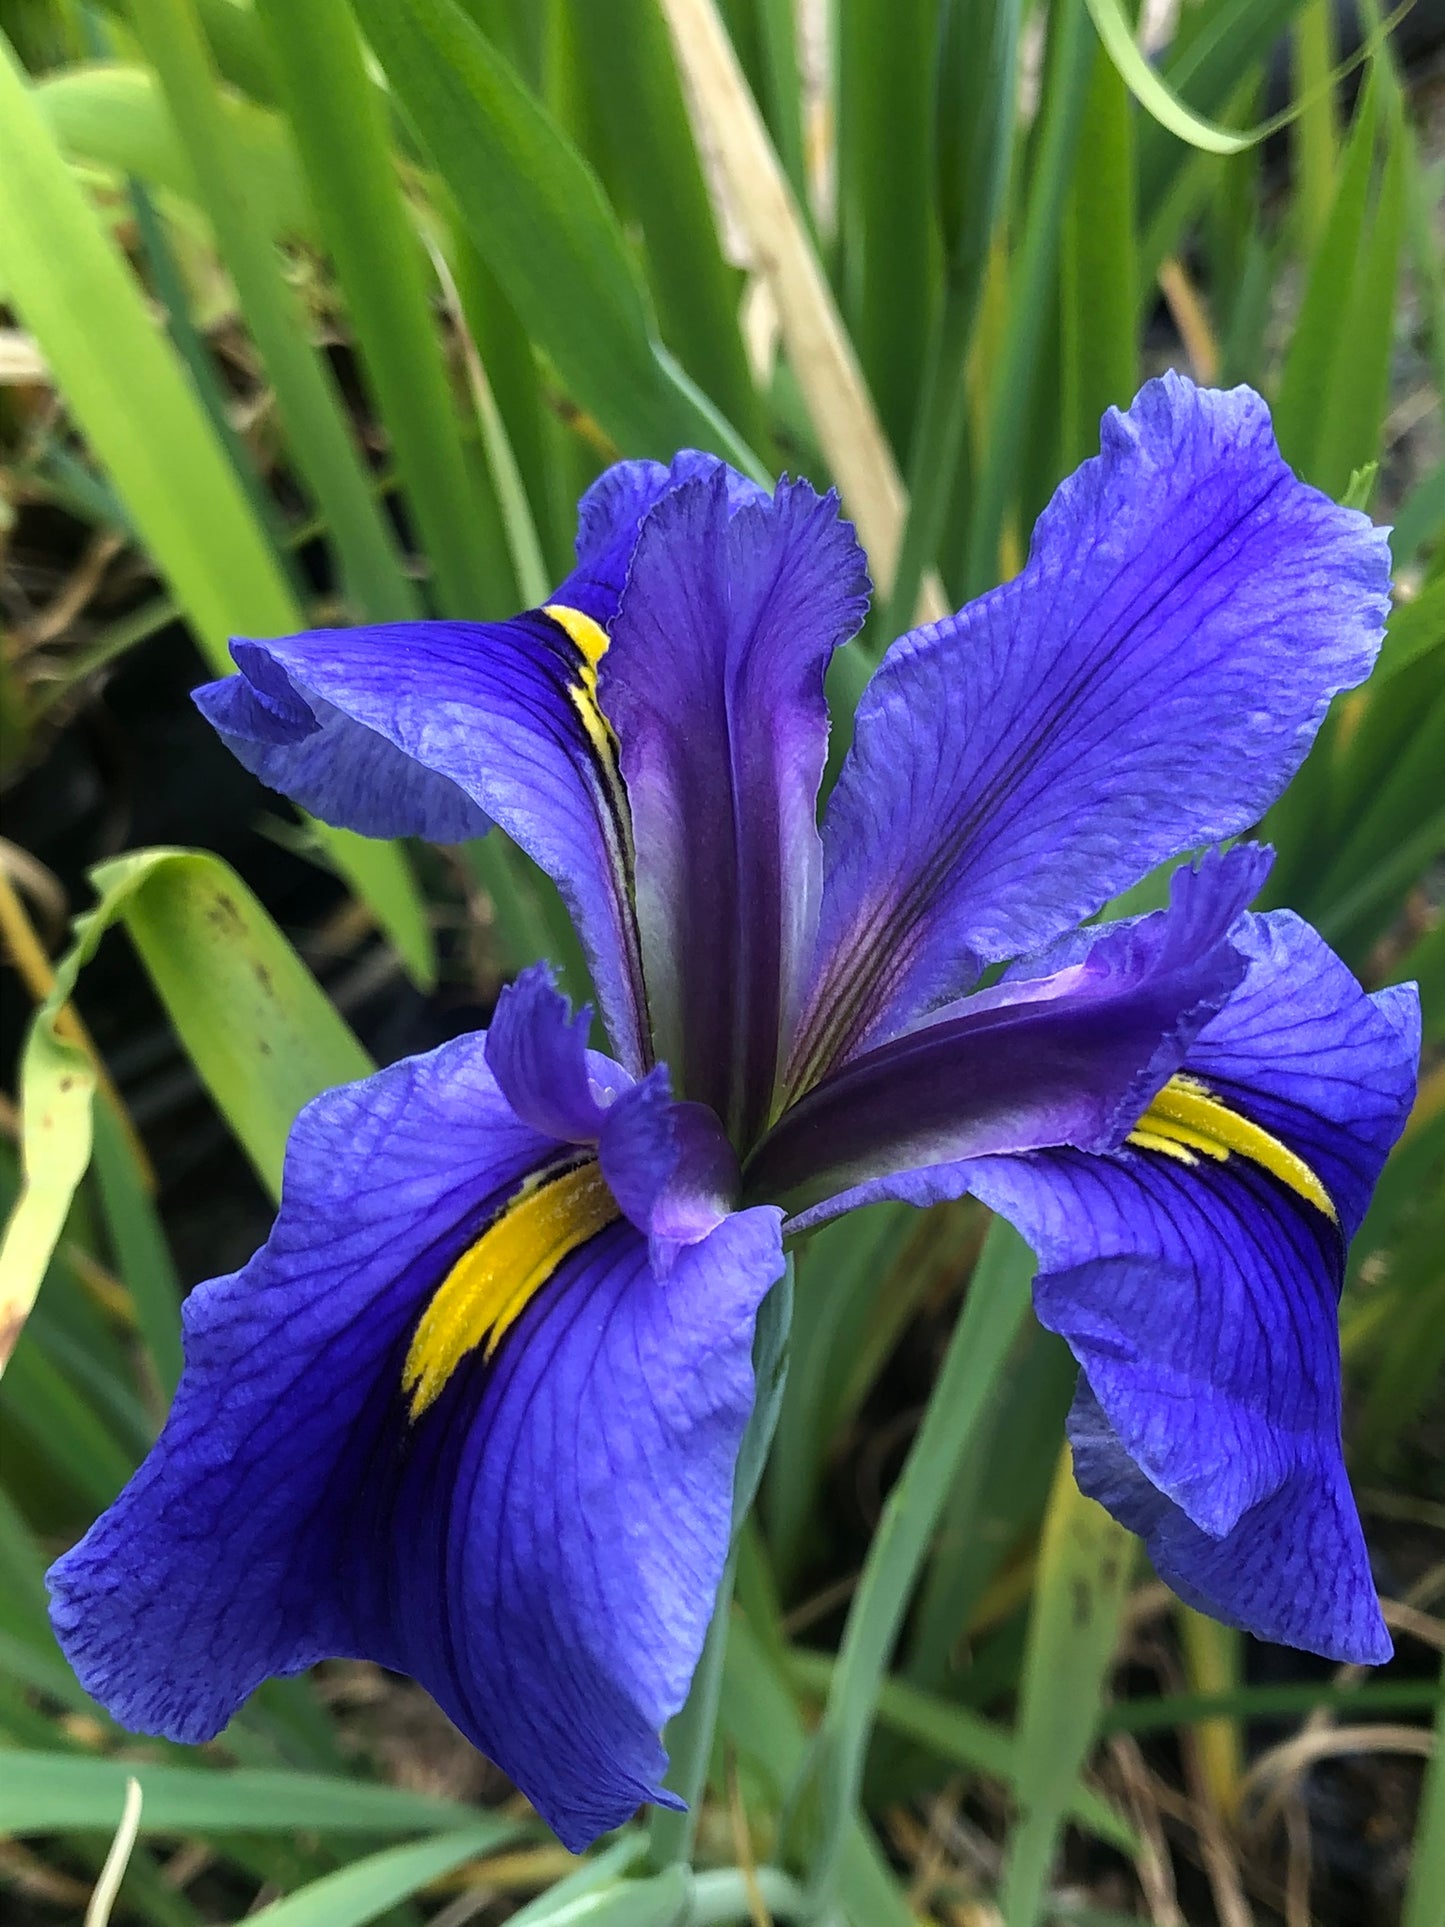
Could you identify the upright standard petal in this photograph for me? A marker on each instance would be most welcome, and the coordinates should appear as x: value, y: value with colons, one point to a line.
x: 1196, y: 1274
x: 611, y: 513
x: 436, y: 729
x: 714, y: 684
x: 1148, y: 684
x: 525, y: 1505
x: 1068, y: 1049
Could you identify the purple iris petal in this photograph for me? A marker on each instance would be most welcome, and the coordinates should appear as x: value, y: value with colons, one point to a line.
x: 539, y: 1547
x: 1069, y: 1052
x: 537, y: 1051
x: 1294, y: 1569
x: 611, y: 513
x: 1149, y: 683
x: 437, y: 728
x: 492, y: 709
x: 1200, y: 1298
x: 669, y: 1165
x: 714, y: 684
x: 339, y: 770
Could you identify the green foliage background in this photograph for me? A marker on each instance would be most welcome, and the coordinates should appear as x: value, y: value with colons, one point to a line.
x: 915, y: 251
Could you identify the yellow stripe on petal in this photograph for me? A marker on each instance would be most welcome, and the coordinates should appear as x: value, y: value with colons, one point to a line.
x: 589, y: 639
x: 1187, y: 1121
x: 492, y: 1283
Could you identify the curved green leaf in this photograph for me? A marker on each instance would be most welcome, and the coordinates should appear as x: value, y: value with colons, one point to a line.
x: 258, y: 1027
x: 373, y: 1886
x: 55, y: 1792
x: 1154, y: 95
x: 116, y: 115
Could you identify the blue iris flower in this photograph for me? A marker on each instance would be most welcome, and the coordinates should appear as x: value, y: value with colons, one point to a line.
x: 474, y: 1409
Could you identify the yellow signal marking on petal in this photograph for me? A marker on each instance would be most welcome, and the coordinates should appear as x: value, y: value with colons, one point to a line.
x: 1186, y: 1121
x: 590, y: 641
x: 495, y: 1279
x: 589, y: 636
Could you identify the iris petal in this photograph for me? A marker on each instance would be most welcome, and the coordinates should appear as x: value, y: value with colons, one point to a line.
x: 539, y: 1546
x: 436, y: 729
x: 490, y: 712
x: 537, y: 1051
x: 714, y: 682
x: 1201, y: 1299
x: 1148, y: 684
x: 1066, y: 1050
x: 1294, y: 1569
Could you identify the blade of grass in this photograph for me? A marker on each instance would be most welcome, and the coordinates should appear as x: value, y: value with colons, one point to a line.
x: 142, y: 1255
x: 1153, y: 92
x: 839, y: 1270
x: 143, y: 421
x: 235, y: 41
x: 1313, y: 132
x: 1061, y: 114
x: 1212, y: 1661
x: 529, y: 576
x: 1314, y: 351
x: 888, y: 248
x: 341, y: 127
x: 780, y: 91
x: 510, y: 365
x: 977, y: 94
x: 1217, y: 44
x: 962, y: 1738
x: 1083, y: 1574
x: 61, y: 271
x: 819, y: 350
x: 825, y: 1795
x: 1421, y: 519
x: 373, y: 1886
x: 1422, y: 192
x: 115, y: 115
x: 760, y: 1719
x: 543, y: 225
x: 996, y: 1504
x: 256, y: 1024
x: 1100, y: 299
x: 165, y: 276
x: 58, y: 1792
x: 1423, y: 1903
x: 1354, y: 414
x: 1416, y: 629
x: 319, y: 439
x: 1401, y: 806
x: 62, y: 1425
x: 107, y: 1887
x: 635, y: 93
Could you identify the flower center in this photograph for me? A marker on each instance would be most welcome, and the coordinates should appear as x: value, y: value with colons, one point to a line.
x: 496, y: 1278
x: 1186, y: 1120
